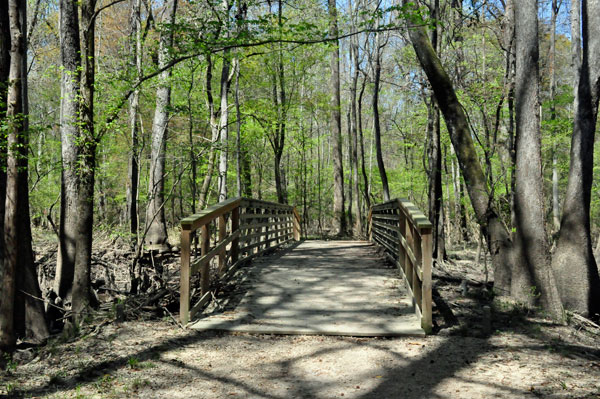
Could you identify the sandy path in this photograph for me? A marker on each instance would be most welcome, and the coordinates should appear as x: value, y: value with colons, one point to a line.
x: 157, y: 360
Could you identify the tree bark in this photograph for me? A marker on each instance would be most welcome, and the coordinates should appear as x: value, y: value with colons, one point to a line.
x: 11, y: 221
x: 70, y: 134
x: 376, y: 125
x: 531, y: 274
x: 135, y: 54
x: 496, y: 233
x: 86, y: 164
x: 30, y: 315
x: 156, y: 237
x: 573, y: 262
x: 339, y: 217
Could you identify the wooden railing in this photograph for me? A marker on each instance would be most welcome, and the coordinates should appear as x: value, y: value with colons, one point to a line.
x: 240, y: 228
x: 405, y: 234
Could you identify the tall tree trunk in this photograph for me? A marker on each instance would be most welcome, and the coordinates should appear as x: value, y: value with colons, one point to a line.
x: 354, y: 132
x: 361, y: 140
x: 4, y: 71
x: 11, y: 221
x: 532, y: 253
x: 376, y: 126
x: 156, y: 237
x: 435, y: 157
x: 214, y: 128
x: 238, y: 136
x: 573, y: 263
x: 339, y: 217
x: 70, y: 134
x: 86, y: 164
x: 30, y: 316
x: 135, y: 54
x: 223, y: 126
x: 552, y: 72
x: 496, y: 233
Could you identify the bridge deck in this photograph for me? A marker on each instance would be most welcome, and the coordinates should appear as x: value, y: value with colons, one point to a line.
x: 320, y: 287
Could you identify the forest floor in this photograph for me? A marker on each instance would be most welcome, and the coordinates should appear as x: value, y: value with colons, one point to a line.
x: 150, y: 356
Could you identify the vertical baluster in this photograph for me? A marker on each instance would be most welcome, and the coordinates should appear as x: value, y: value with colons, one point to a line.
x: 204, y: 248
x: 235, y: 244
x: 222, y: 224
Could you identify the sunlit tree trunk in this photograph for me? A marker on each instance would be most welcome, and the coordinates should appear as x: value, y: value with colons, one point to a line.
x: 156, y: 226
x: 573, y: 262
x: 339, y: 217
x: 531, y: 274
x: 70, y: 134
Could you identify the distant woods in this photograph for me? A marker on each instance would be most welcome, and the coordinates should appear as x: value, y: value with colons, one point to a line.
x: 126, y: 116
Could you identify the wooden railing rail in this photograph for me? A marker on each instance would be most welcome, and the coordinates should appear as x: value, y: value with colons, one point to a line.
x: 400, y: 228
x: 239, y: 228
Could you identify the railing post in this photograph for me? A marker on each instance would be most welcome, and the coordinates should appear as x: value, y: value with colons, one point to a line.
x: 204, y: 248
x: 184, y: 295
x: 235, y: 244
x: 296, y: 224
x: 370, y: 224
x: 222, y: 235
x: 427, y: 253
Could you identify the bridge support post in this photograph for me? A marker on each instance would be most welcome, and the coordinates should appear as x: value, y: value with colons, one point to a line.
x: 184, y: 295
x: 426, y: 306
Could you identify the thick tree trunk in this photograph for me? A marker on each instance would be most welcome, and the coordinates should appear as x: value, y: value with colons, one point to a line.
x: 86, y: 165
x: 156, y: 237
x: 4, y: 70
x: 339, y: 217
x: 531, y: 274
x: 496, y: 233
x: 573, y: 263
x: 30, y: 316
x: 11, y: 222
x: 69, y: 132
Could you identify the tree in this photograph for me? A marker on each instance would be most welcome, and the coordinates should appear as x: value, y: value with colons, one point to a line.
x: 69, y: 130
x: 156, y: 236
x: 573, y: 263
x: 531, y: 269
x: 339, y: 217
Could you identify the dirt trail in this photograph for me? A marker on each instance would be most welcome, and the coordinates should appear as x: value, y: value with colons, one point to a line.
x: 522, y: 357
x: 157, y: 360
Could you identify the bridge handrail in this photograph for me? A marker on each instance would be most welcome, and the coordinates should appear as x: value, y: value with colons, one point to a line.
x: 404, y: 232
x: 245, y: 228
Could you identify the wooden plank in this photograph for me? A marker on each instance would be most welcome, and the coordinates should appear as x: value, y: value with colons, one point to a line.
x: 235, y: 230
x: 195, y: 221
x: 248, y: 237
x: 427, y: 252
x: 297, y: 225
x: 222, y: 222
x: 386, y: 216
x: 219, y: 248
x: 184, y: 291
x: 260, y: 225
x: 204, y: 249
x: 250, y: 216
x: 201, y: 302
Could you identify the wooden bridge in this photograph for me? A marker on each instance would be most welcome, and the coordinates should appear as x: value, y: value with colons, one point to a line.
x: 311, y: 286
